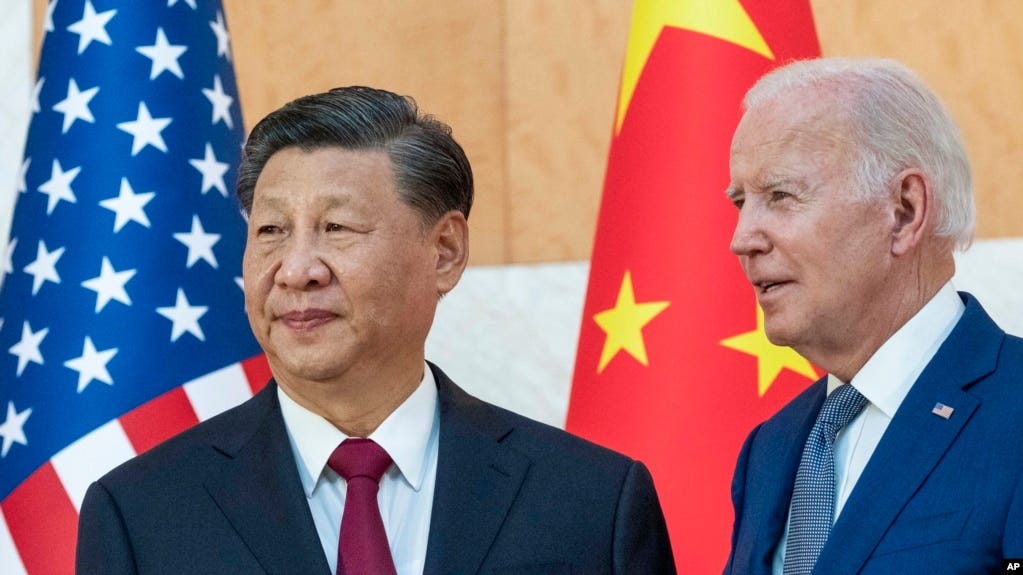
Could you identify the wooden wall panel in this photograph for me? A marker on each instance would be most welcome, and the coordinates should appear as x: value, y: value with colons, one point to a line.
x: 447, y: 56
x: 530, y: 86
x: 564, y: 62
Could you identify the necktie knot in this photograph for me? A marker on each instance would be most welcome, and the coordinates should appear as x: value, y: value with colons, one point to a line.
x: 839, y: 408
x: 358, y: 457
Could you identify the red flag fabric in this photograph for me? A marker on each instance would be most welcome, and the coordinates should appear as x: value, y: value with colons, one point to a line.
x: 673, y: 366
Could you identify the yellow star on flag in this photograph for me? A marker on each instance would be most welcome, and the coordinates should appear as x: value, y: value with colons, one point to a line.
x: 624, y: 323
x: 726, y: 20
x: 771, y: 359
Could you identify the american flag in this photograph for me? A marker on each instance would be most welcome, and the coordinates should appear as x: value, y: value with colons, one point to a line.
x: 942, y: 410
x: 121, y: 310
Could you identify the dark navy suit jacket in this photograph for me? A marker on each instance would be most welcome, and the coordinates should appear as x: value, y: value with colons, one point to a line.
x: 512, y: 496
x: 938, y: 496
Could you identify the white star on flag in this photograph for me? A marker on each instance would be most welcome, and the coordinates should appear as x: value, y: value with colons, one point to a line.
x: 200, y: 244
x: 191, y: 3
x: 58, y: 187
x: 212, y: 171
x: 92, y: 26
x: 145, y: 130
x: 13, y: 428
x: 128, y: 206
x: 27, y: 349
x: 221, y: 103
x: 9, y: 257
x: 91, y: 365
x: 44, y: 268
x: 35, y: 94
x: 109, y: 285
x: 164, y: 56
x: 48, y: 17
x: 185, y: 317
x: 223, y: 38
x: 22, y: 186
x: 76, y: 105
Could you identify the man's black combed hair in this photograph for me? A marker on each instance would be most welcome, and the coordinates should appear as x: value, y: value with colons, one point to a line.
x: 431, y: 171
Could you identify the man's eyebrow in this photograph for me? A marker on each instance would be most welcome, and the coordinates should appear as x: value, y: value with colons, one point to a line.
x: 783, y: 182
x: 736, y: 191
x: 326, y: 201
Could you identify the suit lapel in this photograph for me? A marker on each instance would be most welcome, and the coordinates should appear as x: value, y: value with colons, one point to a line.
x: 257, y: 488
x: 477, y: 481
x: 915, y: 441
x: 779, y: 447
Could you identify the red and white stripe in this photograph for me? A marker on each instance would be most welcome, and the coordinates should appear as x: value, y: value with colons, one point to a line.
x: 39, y: 519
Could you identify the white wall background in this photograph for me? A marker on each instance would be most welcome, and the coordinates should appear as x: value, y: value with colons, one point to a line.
x: 15, y: 91
x: 507, y: 333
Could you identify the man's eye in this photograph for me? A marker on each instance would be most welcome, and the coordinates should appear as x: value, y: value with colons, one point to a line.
x: 738, y: 202
x: 335, y: 228
x: 778, y: 195
x: 267, y: 230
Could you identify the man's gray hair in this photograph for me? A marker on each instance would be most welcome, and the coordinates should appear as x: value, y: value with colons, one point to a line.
x: 895, y: 122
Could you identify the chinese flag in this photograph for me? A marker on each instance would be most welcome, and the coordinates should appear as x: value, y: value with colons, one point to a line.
x: 673, y: 366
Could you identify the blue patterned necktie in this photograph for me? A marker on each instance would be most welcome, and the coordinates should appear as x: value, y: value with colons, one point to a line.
x: 813, y: 498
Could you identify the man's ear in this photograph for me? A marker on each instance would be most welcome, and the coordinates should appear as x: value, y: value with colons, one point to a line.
x: 451, y: 238
x: 914, y: 208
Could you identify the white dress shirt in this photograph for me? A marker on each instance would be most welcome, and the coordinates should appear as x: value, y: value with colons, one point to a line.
x: 410, y: 435
x: 884, y: 380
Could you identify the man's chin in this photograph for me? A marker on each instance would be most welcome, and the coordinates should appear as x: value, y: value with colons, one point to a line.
x: 305, y: 367
x: 779, y: 332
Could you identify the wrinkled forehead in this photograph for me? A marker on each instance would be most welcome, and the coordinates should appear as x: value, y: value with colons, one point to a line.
x: 789, y: 141
x: 797, y: 124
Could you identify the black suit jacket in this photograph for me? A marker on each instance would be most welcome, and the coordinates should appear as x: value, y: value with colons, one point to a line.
x: 512, y: 496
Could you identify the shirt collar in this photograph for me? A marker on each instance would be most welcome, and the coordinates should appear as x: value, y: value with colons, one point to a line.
x: 889, y: 374
x: 404, y: 434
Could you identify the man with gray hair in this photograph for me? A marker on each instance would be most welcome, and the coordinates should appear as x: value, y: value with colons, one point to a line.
x: 360, y: 457
x: 853, y: 191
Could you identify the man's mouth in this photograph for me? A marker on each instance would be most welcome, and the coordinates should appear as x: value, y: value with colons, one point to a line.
x: 765, y: 287
x: 307, y: 318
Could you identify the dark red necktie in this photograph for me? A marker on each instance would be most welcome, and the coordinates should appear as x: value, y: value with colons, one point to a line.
x: 362, y: 548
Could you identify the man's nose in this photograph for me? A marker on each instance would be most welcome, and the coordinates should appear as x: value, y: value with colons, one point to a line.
x: 302, y: 264
x: 749, y: 238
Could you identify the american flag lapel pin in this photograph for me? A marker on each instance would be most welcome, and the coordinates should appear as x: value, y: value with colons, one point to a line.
x: 941, y: 410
